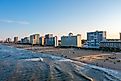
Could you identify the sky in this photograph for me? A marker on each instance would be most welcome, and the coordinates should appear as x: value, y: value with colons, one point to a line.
x: 25, y: 17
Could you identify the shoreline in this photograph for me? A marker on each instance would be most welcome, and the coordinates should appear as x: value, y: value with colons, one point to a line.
x: 99, y: 58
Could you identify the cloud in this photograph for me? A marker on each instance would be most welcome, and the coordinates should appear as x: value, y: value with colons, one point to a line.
x: 13, y: 21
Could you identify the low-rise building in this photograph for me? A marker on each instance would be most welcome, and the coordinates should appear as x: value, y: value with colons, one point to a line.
x: 83, y: 41
x: 22, y: 41
x: 25, y: 40
x: 111, y: 43
x: 59, y: 42
x: 34, y: 39
x: 71, y: 40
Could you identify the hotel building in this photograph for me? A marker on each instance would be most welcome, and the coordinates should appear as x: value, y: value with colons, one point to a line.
x: 34, y: 39
x: 111, y: 43
x: 8, y: 40
x: 42, y: 40
x: 94, y: 39
x: 48, y: 36
x: 71, y: 40
x: 15, y: 39
x: 50, y: 40
x: 25, y: 40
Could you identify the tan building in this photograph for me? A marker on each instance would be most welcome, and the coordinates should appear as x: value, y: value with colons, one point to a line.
x: 71, y: 40
x: 15, y: 39
x: 34, y: 39
x: 42, y: 40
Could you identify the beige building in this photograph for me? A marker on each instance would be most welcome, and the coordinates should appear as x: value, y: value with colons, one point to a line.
x: 42, y: 40
x: 34, y: 39
x: 71, y: 40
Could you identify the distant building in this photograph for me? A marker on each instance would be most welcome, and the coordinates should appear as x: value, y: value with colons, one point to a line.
x: 71, y: 40
x: 112, y: 40
x: 83, y: 41
x: 25, y: 40
x: 42, y: 40
x: 55, y: 41
x: 111, y: 43
x: 8, y: 40
x: 50, y: 40
x: 59, y: 42
x: 94, y: 39
x: 15, y: 39
x: 34, y: 39
x: 48, y: 36
x: 1, y: 41
x: 120, y: 36
x: 22, y: 41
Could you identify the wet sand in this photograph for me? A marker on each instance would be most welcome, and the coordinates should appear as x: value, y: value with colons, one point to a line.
x: 98, y: 58
x: 111, y: 61
x: 22, y: 65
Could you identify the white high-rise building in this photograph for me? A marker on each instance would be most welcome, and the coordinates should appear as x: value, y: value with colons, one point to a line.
x: 71, y: 40
x: 94, y: 39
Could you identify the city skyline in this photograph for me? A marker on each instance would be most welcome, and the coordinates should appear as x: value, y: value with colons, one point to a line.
x: 24, y: 17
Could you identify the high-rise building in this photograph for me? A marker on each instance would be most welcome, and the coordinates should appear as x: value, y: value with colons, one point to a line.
x: 15, y: 39
x: 94, y: 38
x: 34, y: 39
x: 120, y: 36
x: 48, y: 36
x: 42, y: 40
x: 50, y: 40
x: 55, y: 41
x: 8, y: 40
x: 71, y: 40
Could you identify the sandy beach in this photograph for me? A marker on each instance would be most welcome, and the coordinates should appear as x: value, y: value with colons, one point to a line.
x: 109, y: 60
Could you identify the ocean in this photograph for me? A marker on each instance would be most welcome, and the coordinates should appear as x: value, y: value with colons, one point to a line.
x: 23, y: 65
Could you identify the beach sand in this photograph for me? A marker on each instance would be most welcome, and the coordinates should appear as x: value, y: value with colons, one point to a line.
x: 109, y: 60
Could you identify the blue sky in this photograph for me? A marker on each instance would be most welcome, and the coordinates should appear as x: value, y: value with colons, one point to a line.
x: 24, y: 17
